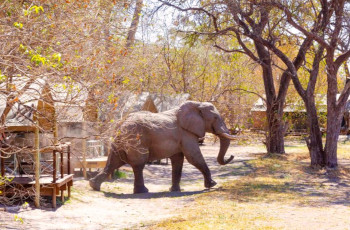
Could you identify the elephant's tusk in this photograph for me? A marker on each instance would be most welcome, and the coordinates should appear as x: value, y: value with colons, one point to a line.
x: 228, y: 136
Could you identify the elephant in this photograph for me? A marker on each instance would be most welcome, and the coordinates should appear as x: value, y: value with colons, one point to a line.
x: 144, y: 136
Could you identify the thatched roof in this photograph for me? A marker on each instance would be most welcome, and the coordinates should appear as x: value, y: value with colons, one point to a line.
x: 35, y: 104
x: 129, y: 102
x: 135, y: 102
x: 70, y: 101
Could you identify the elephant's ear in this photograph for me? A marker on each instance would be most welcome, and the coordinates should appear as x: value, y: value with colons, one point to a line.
x: 190, y: 118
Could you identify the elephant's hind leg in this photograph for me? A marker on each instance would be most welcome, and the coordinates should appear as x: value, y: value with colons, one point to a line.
x: 176, y: 162
x: 114, y: 162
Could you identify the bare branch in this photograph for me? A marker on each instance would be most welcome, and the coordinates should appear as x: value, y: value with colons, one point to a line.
x: 341, y: 59
x: 200, y: 9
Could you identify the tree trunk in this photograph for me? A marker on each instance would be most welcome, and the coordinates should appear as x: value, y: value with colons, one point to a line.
x: 134, y: 23
x: 334, y: 113
x: 274, y: 106
x: 333, y: 130
x: 275, y: 130
x: 314, y: 141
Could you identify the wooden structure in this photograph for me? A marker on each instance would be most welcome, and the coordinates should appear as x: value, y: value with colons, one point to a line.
x: 77, y: 121
x: 294, y: 115
x: 33, y: 120
x: 49, y: 184
x: 90, y: 161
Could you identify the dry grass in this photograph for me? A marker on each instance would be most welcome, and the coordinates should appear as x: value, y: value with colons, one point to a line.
x: 344, y: 150
x: 275, y: 195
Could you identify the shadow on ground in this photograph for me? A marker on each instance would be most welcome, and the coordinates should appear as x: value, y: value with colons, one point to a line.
x: 158, y: 177
x: 152, y: 195
x: 282, y: 179
x: 245, y: 180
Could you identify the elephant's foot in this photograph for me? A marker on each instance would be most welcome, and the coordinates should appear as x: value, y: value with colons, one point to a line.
x: 209, y: 184
x: 140, y: 189
x: 175, y: 188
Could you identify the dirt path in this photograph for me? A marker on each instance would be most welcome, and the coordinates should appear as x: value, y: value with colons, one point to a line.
x: 115, y: 207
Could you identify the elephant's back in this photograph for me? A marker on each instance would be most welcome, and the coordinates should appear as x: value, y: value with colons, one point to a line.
x: 149, y: 120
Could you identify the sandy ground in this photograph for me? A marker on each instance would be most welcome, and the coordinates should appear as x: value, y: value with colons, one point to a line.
x: 115, y: 207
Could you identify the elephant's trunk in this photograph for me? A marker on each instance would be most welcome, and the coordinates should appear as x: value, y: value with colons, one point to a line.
x: 224, y: 144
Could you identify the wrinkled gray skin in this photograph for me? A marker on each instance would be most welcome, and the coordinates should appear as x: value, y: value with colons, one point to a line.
x: 145, y: 136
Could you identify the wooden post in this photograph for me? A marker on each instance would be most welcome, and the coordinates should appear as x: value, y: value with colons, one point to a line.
x: 68, y: 159
x: 54, y: 204
x: 109, y: 149
x: 55, y: 130
x: 37, y: 167
x: 55, y: 141
x: 2, y: 159
x: 54, y: 164
x: 62, y: 195
x: 84, y: 150
x: 69, y: 190
x: 61, y: 164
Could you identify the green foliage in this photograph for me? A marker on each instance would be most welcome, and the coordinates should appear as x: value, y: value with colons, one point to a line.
x: 191, y: 39
x: 126, y: 81
x: 2, y: 77
x: 18, y: 25
x: 56, y: 57
x: 69, y: 85
x: 36, y: 9
x: 119, y: 175
x: 3, y: 181
x: 111, y: 98
x: 39, y: 57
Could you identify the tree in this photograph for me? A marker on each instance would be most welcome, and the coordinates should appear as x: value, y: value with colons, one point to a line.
x: 248, y: 25
x: 134, y: 23
x: 330, y: 33
x: 314, y: 141
x: 64, y: 42
x: 267, y: 24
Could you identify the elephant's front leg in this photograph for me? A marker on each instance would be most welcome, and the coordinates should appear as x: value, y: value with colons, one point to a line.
x: 194, y: 156
x: 176, y: 162
x: 139, y: 184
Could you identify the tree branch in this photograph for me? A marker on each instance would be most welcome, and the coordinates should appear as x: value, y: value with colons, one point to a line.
x: 201, y: 9
x: 237, y: 89
x: 291, y: 21
x: 341, y: 59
